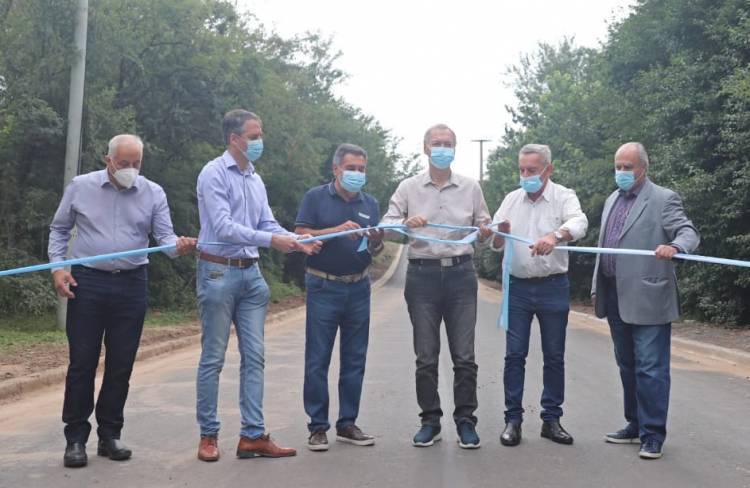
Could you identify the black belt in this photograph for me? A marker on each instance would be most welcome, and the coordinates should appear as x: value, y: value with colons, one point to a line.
x: 541, y: 278
x: 78, y: 267
x: 445, y: 262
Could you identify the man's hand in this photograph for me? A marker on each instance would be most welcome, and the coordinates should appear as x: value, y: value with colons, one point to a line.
x: 416, y: 221
x: 63, y: 280
x: 375, y: 236
x: 349, y: 225
x: 665, y: 252
x: 186, y: 245
x: 593, y: 300
x: 284, y: 243
x: 504, y: 227
x: 544, y: 246
x: 484, y: 231
x: 309, y: 248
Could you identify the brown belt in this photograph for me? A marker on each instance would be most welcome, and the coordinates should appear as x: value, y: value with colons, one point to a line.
x: 234, y: 262
x: 352, y: 278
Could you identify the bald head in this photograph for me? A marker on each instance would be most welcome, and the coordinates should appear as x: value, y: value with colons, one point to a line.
x: 632, y: 152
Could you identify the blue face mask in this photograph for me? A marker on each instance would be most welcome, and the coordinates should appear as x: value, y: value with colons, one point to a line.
x: 353, y: 181
x: 254, y: 149
x: 442, y: 157
x: 625, y: 179
x: 531, y: 184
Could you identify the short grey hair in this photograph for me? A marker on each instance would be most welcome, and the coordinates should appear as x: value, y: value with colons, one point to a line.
x: 115, y: 142
x: 541, y: 149
x: 428, y: 132
x: 345, y: 149
x: 234, y: 121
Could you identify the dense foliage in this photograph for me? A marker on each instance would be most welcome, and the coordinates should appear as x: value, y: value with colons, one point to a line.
x: 166, y: 71
x: 675, y: 75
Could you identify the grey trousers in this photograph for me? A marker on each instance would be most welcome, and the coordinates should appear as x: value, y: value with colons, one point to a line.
x: 435, y: 294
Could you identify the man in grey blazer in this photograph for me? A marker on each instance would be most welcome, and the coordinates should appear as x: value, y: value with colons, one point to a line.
x: 638, y: 294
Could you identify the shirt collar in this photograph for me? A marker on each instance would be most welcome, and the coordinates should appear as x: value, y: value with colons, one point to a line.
x: 427, y: 180
x: 104, y: 180
x: 332, y: 191
x: 229, y: 161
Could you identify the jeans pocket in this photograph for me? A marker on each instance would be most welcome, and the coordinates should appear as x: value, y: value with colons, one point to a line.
x: 314, y: 284
x: 213, y: 271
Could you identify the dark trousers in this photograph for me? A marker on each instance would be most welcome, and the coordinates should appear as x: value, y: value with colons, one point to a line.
x: 334, y: 306
x: 111, y: 306
x: 548, y: 299
x: 642, y: 353
x: 435, y: 294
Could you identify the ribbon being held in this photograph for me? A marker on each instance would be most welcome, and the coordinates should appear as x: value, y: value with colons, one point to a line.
x: 508, y: 259
x: 400, y: 228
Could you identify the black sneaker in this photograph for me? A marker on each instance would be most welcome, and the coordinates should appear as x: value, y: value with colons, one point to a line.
x: 318, y: 441
x: 627, y: 435
x: 467, y: 436
x: 650, y: 449
x: 354, y: 435
x: 426, y: 436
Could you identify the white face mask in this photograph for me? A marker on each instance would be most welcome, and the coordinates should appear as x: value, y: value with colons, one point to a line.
x: 126, y: 177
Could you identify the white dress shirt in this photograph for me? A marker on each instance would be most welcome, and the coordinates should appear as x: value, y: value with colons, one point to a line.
x: 557, y: 208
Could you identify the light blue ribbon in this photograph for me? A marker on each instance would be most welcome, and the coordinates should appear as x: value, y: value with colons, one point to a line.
x: 400, y: 228
x: 508, y: 258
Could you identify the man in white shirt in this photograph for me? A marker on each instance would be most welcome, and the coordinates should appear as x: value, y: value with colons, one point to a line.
x: 549, y: 214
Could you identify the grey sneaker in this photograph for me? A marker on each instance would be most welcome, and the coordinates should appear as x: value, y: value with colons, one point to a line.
x: 353, y: 435
x: 318, y: 441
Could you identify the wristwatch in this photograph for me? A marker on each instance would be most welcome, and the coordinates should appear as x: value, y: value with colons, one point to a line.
x: 559, y: 236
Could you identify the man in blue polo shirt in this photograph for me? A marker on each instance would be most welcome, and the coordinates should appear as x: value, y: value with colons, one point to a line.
x: 338, y: 294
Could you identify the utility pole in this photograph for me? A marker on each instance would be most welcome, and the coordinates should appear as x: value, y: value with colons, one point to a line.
x: 75, y: 110
x: 481, y: 157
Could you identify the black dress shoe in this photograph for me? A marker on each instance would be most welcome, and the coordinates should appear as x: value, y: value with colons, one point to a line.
x: 553, y: 431
x: 75, y: 455
x: 511, y: 436
x: 113, y: 449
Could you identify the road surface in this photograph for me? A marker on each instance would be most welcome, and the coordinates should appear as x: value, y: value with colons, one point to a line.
x: 708, y: 442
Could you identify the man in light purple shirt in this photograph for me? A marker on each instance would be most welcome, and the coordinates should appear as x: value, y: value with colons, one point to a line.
x: 112, y: 210
x: 234, y: 209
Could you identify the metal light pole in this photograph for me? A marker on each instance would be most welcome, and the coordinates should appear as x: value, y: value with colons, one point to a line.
x: 481, y: 156
x: 75, y: 109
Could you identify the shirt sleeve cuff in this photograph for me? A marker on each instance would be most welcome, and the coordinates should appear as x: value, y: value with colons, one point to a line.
x: 264, y: 238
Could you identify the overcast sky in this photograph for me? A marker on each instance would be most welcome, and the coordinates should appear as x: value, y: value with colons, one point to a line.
x: 412, y: 64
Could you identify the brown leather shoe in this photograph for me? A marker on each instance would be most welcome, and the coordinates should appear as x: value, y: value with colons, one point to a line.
x: 262, y: 446
x: 208, y: 449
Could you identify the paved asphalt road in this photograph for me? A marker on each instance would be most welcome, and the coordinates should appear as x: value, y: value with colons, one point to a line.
x: 708, y: 443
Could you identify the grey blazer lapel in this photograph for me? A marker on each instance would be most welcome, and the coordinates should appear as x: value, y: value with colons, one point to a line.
x: 638, y: 207
x: 605, y: 216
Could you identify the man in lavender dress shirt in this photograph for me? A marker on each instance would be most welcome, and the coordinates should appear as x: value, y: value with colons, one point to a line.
x: 112, y: 210
x: 233, y: 207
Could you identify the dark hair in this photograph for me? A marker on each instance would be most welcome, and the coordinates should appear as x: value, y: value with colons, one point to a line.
x: 345, y: 149
x: 234, y: 121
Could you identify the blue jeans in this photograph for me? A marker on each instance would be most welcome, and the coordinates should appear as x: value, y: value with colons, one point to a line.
x: 642, y: 353
x: 332, y: 305
x: 112, y: 307
x: 225, y: 295
x: 548, y: 299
